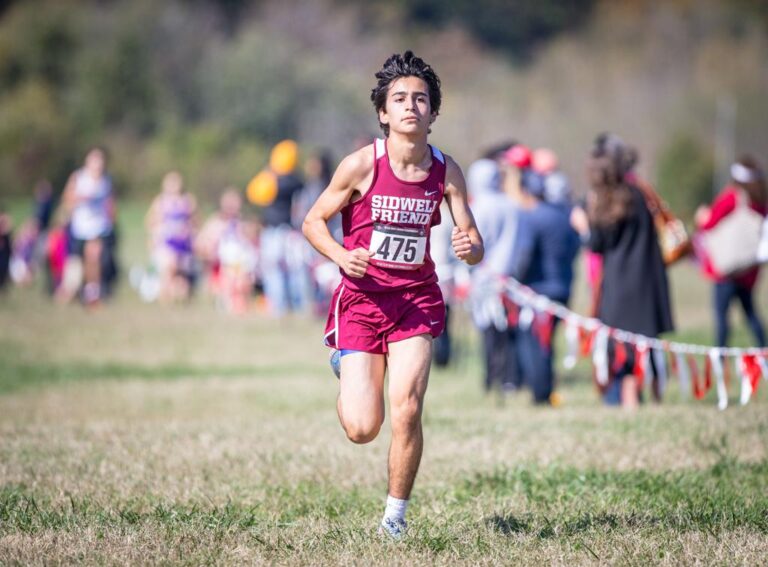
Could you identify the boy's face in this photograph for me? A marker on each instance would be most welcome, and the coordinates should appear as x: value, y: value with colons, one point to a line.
x: 407, y: 109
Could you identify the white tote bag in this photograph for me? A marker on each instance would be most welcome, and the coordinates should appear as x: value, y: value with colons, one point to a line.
x: 732, y: 244
x: 762, y: 249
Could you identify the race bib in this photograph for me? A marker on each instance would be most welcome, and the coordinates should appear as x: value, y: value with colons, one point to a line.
x: 398, y: 248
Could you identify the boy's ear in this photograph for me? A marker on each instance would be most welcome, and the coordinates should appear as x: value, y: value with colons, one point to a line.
x: 383, y: 117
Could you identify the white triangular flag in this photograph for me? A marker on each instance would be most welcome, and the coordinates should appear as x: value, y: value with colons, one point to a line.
x: 525, y: 320
x: 746, y: 385
x: 600, y: 355
x: 571, y: 343
x: 717, y: 368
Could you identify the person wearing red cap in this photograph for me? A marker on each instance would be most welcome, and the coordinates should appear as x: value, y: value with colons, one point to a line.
x: 389, y: 308
x: 519, y: 156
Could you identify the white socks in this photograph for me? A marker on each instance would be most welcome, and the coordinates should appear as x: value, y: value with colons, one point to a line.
x: 395, y: 509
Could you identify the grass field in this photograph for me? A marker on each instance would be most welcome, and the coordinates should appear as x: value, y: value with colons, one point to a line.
x: 146, y: 434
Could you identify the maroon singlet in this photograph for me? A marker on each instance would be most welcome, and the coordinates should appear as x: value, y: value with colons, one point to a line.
x: 392, y: 220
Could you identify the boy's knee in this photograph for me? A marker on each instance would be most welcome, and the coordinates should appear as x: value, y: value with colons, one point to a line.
x: 406, y: 414
x: 362, y: 431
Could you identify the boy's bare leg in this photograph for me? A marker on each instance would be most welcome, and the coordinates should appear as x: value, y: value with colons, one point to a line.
x: 361, y: 395
x: 409, y: 363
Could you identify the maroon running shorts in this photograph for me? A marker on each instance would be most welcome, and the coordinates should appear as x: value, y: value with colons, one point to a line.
x: 367, y: 321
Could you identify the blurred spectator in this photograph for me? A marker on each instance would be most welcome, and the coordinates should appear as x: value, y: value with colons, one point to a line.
x: 283, y: 250
x: 6, y: 244
x: 748, y: 186
x: 441, y: 251
x: 318, y: 170
x: 55, y: 254
x: 171, y: 225
x: 557, y: 191
x: 362, y: 140
x: 23, y: 256
x: 44, y: 211
x: 498, y: 151
x: 227, y: 246
x: 496, y: 217
x: 44, y: 205
x: 634, y: 293
x: 515, y: 163
x: 545, y: 249
x: 89, y: 198
x: 323, y: 274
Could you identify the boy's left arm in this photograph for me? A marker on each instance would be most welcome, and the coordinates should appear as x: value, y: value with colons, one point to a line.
x: 465, y: 239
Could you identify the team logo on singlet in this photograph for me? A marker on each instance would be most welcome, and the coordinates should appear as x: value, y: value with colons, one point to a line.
x: 402, y: 210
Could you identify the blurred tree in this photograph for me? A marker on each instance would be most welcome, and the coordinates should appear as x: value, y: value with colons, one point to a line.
x: 209, y: 85
x: 37, y: 44
x: 685, y: 173
x: 250, y: 86
x: 116, y: 86
x: 513, y: 26
x: 33, y: 138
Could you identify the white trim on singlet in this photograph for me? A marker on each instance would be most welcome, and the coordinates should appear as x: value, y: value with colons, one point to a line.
x: 438, y: 155
x: 379, y: 149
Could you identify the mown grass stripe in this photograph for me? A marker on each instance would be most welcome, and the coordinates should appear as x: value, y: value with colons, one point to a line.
x: 16, y: 376
x: 545, y: 503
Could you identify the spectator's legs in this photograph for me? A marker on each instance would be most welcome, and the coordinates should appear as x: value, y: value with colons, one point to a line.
x: 536, y: 365
x: 723, y: 293
x: 513, y: 379
x: 5, y: 259
x: 755, y: 324
x: 442, y: 344
x: 301, y: 282
x: 274, y: 274
x: 108, y: 261
x: 92, y: 252
x: 612, y: 394
x: 493, y: 343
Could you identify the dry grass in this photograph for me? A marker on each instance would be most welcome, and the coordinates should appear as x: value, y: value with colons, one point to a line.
x: 141, y: 434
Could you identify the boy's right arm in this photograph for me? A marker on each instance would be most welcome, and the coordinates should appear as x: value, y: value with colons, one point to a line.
x: 353, y: 174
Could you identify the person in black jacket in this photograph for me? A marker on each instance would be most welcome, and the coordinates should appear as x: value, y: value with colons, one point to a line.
x: 634, y: 293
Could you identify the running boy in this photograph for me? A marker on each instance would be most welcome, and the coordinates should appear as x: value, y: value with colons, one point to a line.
x: 388, y: 307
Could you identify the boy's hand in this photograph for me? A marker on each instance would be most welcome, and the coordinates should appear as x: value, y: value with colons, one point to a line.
x: 462, y: 245
x: 355, y: 262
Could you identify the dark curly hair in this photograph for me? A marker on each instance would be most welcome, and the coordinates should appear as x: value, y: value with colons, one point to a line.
x: 405, y: 65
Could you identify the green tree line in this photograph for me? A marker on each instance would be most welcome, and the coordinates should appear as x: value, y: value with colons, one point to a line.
x: 207, y: 86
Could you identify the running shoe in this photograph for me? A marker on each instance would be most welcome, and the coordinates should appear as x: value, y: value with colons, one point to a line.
x: 335, y: 360
x: 395, y: 528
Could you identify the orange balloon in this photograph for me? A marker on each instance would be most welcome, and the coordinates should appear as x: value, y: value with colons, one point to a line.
x: 262, y: 189
x: 284, y: 157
